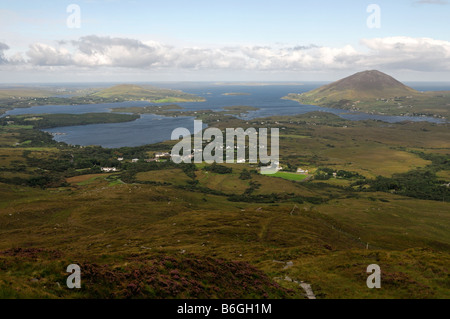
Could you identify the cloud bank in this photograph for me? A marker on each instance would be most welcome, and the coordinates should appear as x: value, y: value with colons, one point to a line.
x: 395, y: 53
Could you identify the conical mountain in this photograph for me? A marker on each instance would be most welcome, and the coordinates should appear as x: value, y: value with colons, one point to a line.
x: 361, y: 86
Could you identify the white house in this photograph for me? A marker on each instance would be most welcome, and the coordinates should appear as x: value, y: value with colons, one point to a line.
x: 109, y: 169
x: 161, y: 154
x: 135, y: 160
x: 120, y: 159
x: 302, y: 171
x: 275, y: 166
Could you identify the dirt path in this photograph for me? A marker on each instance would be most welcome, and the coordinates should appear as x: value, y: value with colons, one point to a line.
x: 305, y: 286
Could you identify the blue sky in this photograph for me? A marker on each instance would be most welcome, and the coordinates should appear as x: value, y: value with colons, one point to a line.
x: 36, y: 42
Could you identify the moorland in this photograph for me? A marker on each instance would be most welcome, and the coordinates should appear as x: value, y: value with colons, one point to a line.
x: 374, y: 193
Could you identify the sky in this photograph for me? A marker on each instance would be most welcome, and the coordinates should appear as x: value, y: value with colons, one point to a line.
x: 199, y: 40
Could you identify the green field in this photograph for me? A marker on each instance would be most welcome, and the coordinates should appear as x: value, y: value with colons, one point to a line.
x: 289, y: 176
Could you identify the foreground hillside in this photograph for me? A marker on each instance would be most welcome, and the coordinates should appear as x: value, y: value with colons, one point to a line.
x: 147, y: 236
x: 159, y: 230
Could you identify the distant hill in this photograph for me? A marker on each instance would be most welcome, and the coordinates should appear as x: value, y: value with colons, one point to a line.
x: 24, y: 92
x: 376, y: 92
x: 362, y: 85
x: 146, y: 93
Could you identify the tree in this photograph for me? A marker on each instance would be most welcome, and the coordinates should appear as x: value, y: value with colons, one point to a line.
x: 245, y: 174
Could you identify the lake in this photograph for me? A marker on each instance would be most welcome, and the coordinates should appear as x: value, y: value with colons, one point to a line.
x: 153, y: 128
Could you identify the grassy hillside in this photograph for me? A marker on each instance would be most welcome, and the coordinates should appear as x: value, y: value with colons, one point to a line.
x: 118, y: 227
x: 161, y: 230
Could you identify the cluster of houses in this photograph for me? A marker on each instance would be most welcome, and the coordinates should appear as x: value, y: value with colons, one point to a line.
x: 277, y: 166
x: 158, y: 157
x: 165, y: 156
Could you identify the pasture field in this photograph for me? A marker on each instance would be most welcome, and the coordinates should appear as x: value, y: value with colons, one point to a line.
x: 289, y: 176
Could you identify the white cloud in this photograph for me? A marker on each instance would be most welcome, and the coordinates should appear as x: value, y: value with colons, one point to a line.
x: 3, y: 47
x: 45, y: 55
x: 418, y: 54
x: 440, y: 2
x: 394, y: 53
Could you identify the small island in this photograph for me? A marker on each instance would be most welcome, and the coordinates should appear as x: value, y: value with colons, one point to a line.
x: 236, y: 94
x: 258, y: 83
x: 173, y: 110
x: 151, y: 109
x: 239, y: 109
x: 45, y: 121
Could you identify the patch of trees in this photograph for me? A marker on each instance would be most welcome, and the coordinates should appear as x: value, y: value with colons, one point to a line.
x: 218, y: 169
x: 47, y: 181
x: 245, y: 175
x: 35, y: 138
x: 269, y: 198
x: 189, y: 169
x: 44, y: 180
x: 274, y: 198
x: 253, y: 187
x: 347, y: 174
x: 325, y: 173
x: 439, y: 161
x: 194, y: 186
x: 422, y: 184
